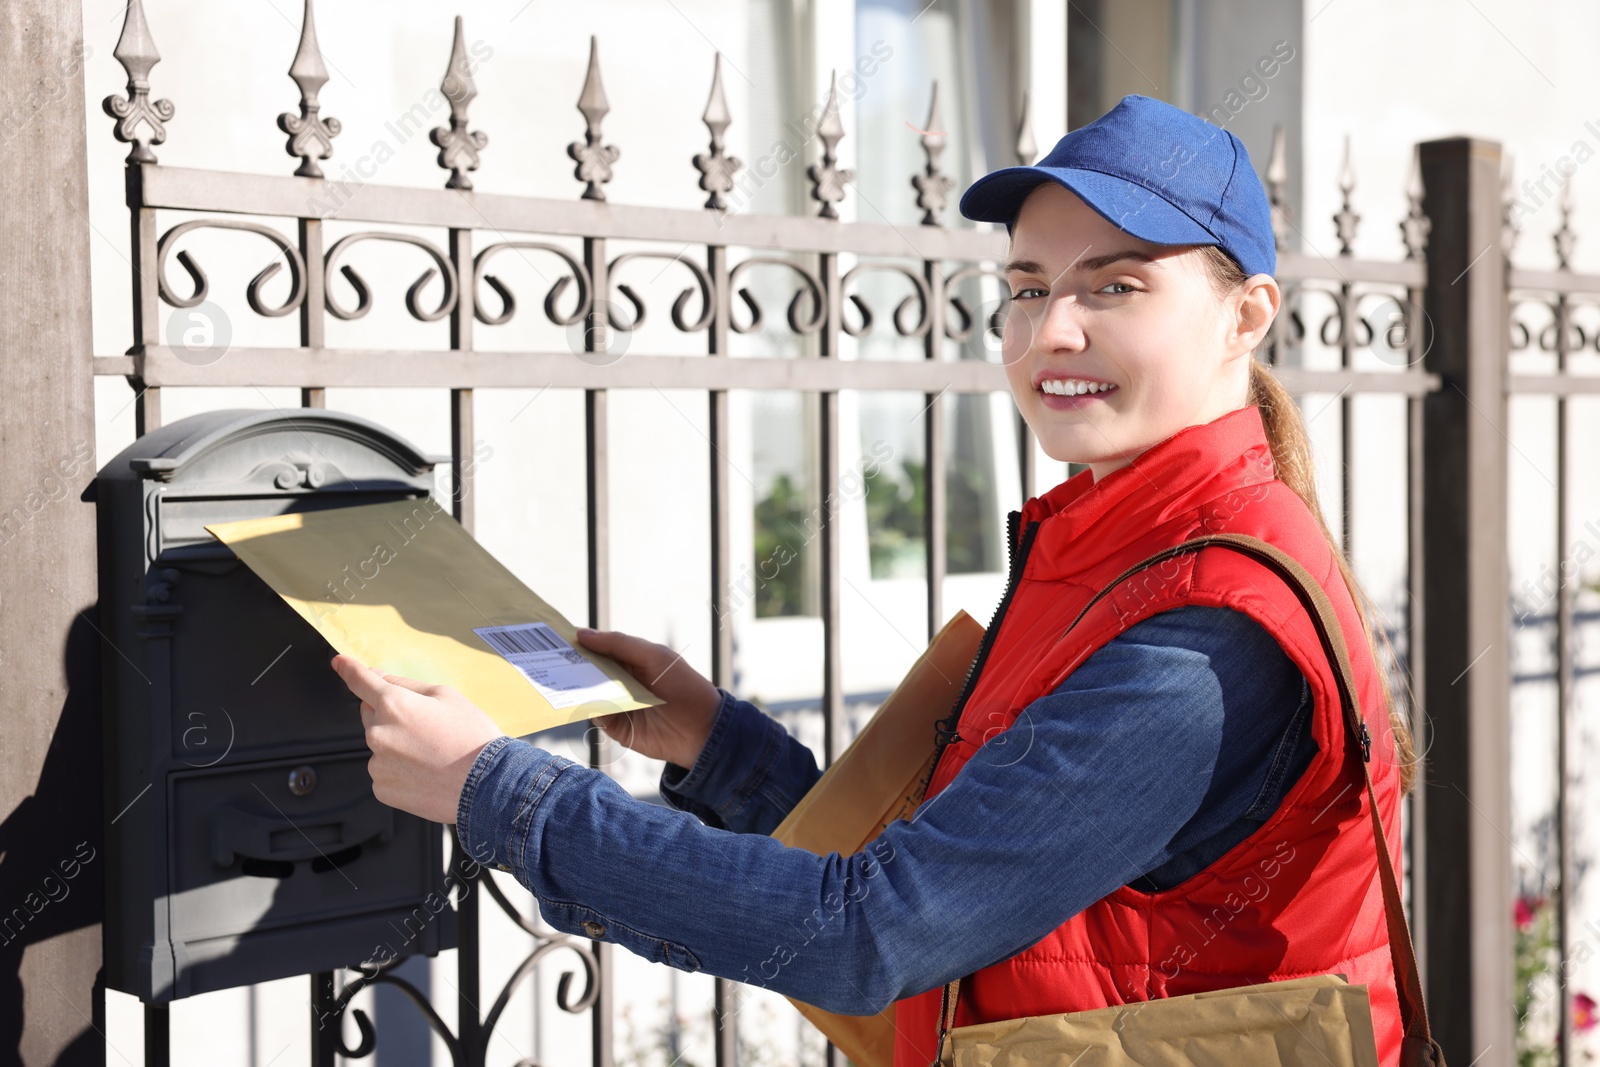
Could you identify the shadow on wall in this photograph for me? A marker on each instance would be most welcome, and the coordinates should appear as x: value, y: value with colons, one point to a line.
x: 52, y: 878
x: 52, y: 857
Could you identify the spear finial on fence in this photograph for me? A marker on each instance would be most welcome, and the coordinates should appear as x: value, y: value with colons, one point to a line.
x: 310, y: 135
x: 828, y: 179
x: 1509, y: 226
x: 1277, y: 186
x: 136, y: 51
x: 932, y: 187
x: 1564, y: 237
x: 458, y: 146
x: 1027, y: 149
x: 594, y: 158
x: 1414, y: 228
x: 716, y: 166
x: 1346, y: 220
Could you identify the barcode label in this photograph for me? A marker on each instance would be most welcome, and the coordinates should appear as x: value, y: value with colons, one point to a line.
x: 529, y: 640
x: 560, y: 672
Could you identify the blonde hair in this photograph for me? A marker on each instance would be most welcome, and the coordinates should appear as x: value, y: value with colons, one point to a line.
x: 1291, y: 456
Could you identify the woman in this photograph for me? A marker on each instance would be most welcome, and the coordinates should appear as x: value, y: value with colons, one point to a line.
x: 1158, y: 801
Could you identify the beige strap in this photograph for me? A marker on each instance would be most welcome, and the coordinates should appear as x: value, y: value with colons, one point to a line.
x: 947, y: 1016
x: 1413, y: 1011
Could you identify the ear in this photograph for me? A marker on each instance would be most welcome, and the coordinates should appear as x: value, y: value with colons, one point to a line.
x: 1255, y: 305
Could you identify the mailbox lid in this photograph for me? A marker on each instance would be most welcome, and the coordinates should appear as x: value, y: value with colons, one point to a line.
x: 230, y: 447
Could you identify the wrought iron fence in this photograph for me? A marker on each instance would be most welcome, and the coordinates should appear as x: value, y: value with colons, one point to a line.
x: 1553, y: 356
x: 1446, y: 362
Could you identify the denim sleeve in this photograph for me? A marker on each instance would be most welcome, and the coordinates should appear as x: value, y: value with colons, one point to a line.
x: 1084, y: 792
x: 748, y: 776
x: 1266, y: 742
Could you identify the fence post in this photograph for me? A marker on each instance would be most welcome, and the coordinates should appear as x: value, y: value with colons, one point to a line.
x: 1465, y: 656
x: 52, y: 1004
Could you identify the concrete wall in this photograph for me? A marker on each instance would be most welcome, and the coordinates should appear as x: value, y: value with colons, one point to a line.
x: 50, y: 802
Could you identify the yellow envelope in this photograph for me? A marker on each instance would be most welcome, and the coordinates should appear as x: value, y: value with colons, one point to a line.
x: 405, y: 589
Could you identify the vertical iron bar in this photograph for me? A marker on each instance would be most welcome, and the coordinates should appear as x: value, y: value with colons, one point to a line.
x: 1564, y: 680
x: 828, y: 490
x: 1025, y: 456
x: 469, y: 1018
x: 468, y: 960
x: 313, y: 306
x: 462, y: 439
x: 461, y: 446
x: 721, y: 558
x: 1465, y: 662
x: 1347, y: 304
x: 324, y: 1023
x: 158, y: 1035
x: 1416, y: 620
x: 597, y: 460
x: 597, y: 340
x: 147, y: 419
x: 725, y: 1005
x: 146, y: 298
x: 1345, y: 223
x: 935, y: 522
x: 147, y: 411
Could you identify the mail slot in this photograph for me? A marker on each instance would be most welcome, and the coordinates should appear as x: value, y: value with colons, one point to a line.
x: 243, y: 841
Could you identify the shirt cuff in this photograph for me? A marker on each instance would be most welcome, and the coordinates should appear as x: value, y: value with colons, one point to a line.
x: 741, y: 781
x: 503, y: 785
x: 686, y: 780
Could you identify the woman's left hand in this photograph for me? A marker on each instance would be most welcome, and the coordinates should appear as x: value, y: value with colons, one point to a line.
x: 423, y: 739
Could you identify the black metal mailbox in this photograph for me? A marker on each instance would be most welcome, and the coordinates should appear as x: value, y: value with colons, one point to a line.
x: 243, y: 840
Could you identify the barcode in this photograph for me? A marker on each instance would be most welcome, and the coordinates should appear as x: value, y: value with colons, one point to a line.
x: 561, y: 674
x: 534, y: 637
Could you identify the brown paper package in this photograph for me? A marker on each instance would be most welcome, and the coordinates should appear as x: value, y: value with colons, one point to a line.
x: 878, y: 778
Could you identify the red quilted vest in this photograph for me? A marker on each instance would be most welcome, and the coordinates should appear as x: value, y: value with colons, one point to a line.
x: 1301, y: 895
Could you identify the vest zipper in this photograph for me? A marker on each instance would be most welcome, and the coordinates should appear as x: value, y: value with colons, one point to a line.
x: 1017, y: 559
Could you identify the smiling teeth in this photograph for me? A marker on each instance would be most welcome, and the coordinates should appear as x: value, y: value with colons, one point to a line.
x: 1073, y: 386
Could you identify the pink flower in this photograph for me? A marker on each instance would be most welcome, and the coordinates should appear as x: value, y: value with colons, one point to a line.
x: 1583, y: 1017
x: 1526, y: 910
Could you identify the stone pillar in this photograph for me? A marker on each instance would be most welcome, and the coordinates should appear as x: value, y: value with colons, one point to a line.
x: 1464, y: 668
x: 51, y: 852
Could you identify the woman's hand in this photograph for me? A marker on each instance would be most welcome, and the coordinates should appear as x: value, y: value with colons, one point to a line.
x: 675, y: 730
x: 423, y: 739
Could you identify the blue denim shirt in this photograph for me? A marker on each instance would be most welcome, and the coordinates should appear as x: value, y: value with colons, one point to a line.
x: 1165, y: 748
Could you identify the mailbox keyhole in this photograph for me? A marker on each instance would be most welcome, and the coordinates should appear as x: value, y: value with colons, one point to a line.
x: 302, y: 780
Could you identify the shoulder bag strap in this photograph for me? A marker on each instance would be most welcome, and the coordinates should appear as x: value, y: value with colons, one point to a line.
x: 1420, y: 1046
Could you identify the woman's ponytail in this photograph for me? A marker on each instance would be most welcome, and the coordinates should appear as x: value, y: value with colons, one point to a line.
x: 1291, y: 456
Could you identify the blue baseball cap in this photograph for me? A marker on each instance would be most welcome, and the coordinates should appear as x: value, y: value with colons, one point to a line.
x: 1154, y: 171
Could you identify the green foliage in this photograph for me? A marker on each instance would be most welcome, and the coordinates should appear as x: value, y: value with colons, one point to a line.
x: 1535, y: 949
x: 968, y: 533
x: 895, y: 505
x: 1538, y: 955
x: 895, y: 509
x: 780, y: 536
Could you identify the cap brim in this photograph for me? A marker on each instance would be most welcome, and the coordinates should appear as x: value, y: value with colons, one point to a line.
x: 1129, y: 206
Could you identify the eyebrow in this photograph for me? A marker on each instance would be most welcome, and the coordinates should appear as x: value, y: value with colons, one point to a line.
x: 1086, y: 266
